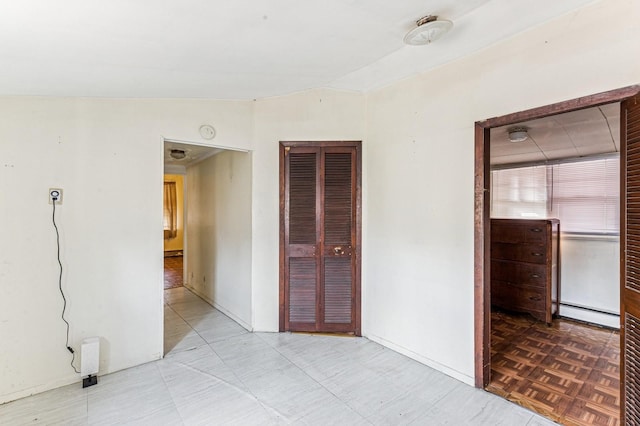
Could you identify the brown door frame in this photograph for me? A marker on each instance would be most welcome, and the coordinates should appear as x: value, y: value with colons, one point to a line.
x: 357, y: 253
x: 482, y: 297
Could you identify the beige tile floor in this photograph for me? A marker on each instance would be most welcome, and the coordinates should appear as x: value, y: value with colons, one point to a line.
x: 217, y: 373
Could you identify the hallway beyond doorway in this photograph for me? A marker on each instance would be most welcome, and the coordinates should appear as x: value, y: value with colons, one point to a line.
x: 173, y: 270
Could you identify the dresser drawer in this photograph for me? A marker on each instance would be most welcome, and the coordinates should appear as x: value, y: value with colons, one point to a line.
x: 531, y: 253
x: 532, y: 274
x: 518, y: 233
x: 517, y: 297
x: 525, y: 266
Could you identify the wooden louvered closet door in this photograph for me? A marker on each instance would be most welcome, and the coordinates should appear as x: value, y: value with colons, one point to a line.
x: 320, y: 237
x: 630, y: 245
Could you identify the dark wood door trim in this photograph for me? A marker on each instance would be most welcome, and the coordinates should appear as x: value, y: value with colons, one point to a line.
x: 482, y: 243
x: 590, y: 101
x: 357, y: 229
x: 482, y: 310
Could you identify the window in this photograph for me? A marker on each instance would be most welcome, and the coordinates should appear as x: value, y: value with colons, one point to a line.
x: 170, y: 211
x: 519, y: 193
x: 584, y: 195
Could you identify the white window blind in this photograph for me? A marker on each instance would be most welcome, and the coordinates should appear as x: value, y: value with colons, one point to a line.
x: 519, y: 193
x: 584, y: 195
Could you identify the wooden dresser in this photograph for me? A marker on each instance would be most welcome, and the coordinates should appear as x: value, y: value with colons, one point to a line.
x: 525, y: 266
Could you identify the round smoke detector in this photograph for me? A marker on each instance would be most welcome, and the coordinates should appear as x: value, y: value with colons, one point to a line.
x: 207, y: 131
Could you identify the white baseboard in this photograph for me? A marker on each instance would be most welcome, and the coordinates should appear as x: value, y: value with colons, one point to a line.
x: 40, y: 388
x: 66, y: 381
x: 220, y: 308
x: 423, y: 360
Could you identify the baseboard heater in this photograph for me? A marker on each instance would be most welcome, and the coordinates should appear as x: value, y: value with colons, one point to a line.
x: 590, y: 314
x: 588, y: 308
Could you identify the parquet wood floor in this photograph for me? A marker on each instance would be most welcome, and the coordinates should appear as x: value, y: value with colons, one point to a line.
x: 172, y: 272
x: 568, y: 372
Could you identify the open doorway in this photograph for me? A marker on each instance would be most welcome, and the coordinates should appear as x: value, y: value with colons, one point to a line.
x: 216, y: 242
x: 628, y: 124
x: 554, y: 275
x: 178, y: 157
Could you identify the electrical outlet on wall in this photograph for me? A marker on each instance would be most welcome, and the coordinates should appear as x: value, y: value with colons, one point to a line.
x: 55, y: 194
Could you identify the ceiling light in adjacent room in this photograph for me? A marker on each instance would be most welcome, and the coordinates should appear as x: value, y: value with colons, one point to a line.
x: 177, y: 154
x: 518, y: 134
x: 429, y: 29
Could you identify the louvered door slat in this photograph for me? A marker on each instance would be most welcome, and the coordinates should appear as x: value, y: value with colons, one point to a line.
x: 630, y: 306
x: 337, y: 291
x: 302, y: 198
x: 337, y: 226
x: 302, y: 290
x: 632, y: 369
x: 302, y: 240
x: 337, y: 198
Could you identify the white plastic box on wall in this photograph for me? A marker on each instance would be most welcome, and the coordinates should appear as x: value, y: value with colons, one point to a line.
x: 90, y: 356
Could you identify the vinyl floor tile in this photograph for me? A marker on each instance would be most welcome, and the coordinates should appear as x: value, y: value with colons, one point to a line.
x: 216, y: 373
x: 63, y: 406
x: 465, y: 405
x: 133, y: 396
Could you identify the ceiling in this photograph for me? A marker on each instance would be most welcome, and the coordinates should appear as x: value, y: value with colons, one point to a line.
x: 574, y: 134
x: 239, y: 49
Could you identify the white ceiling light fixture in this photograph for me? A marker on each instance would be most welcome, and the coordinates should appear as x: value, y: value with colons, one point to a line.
x: 518, y: 134
x: 429, y: 29
x: 177, y: 154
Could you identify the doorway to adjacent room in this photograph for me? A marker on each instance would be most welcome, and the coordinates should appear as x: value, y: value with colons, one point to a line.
x: 626, y: 372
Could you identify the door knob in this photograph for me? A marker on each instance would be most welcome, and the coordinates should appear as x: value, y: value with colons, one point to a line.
x: 338, y: 251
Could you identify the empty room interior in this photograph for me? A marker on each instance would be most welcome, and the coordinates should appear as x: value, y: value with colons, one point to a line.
x: 559, y: 358
x: 419, y: 212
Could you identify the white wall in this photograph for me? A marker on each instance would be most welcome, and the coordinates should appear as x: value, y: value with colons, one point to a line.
x: 219, y: 233
x: 107, y: 157
x: 418, y: 292
x: 314, y: 115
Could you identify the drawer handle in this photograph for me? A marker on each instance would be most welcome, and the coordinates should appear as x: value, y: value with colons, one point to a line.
x: 535, y: 276
x: 535, y: 298
x: 536, y: 229
x: 536, y: 254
